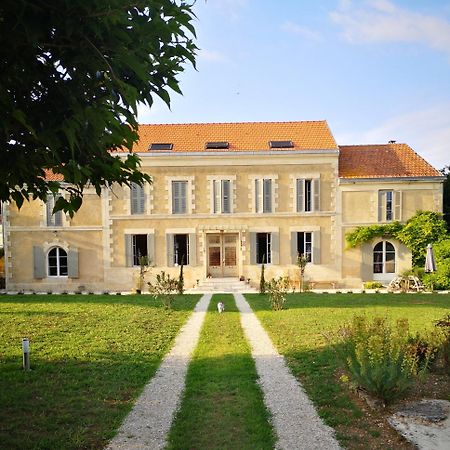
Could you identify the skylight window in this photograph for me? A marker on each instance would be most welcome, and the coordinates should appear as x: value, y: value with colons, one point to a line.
x: 281, y: 144
x: 217, y: 145
x: 160, y: 146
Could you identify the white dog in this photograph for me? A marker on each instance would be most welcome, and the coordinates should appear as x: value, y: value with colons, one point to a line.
x: 220, y: 307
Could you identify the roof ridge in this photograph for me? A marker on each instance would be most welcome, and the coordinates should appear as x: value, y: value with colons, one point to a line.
x: 234, y: 123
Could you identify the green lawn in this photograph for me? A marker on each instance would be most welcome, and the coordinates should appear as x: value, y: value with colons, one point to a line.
x: 90, y: 357
x: 298, y: 333
x: 222, y: 406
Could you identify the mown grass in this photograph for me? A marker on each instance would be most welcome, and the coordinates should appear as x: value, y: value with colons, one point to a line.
x: 222, y: 407
x: 299, y: 334
x: 90, y: 357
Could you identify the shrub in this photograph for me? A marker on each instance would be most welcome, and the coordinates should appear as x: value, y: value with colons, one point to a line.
x: 441, y: 278
x: 444, y: 324
x: 382, y: 359
x: 373, y: 285
x: 180, y: 285
x: 164, y: 289
x: 278, y: 289
x: 262, y: 281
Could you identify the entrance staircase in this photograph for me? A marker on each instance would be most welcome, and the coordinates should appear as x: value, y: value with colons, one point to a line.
x: 223, y: 285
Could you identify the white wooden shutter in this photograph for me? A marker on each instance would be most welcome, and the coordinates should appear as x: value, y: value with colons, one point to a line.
x: 316, y: 194
x: 151, y: 249
x: 267, y: 195
x: 72, y: 263
x: 226, y: 192
x: 192, y: 250
x: 252, y: 248
x: 294, y: 250
x: 170, y: 249
x: 176, y: 207
x: 183, y: 197
x: 316, y: 247
x: 397, y: 205
x: 129, y: 250
x: 275, y: 247
x: 300, y: 195
x: 381, y: 206
x: 137, y: 199
x: 257, y: 196
x: 38, y: 263
x: 216, y: 196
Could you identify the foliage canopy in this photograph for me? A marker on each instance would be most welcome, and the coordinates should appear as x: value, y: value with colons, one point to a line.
x: 72, y: 73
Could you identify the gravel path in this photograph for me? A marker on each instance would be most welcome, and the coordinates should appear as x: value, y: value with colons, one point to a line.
x: 148, y: 423
x: 295, y: 419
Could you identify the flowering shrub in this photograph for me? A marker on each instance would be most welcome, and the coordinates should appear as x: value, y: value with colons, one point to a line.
x: 278, y: 289
x: 164, y: 289
x: 380, y: 358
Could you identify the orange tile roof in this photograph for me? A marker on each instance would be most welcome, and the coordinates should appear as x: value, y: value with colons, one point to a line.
x: 384, y: 160
x: 51, y: 176
x: 241, y: 136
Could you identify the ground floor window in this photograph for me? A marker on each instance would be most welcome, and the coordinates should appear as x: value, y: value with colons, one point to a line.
x: 304, y: 244
x: 57, y: 262
x: 384, y: 258
x: 140, y: 247
x: 263, y: 248
x: 181, y: 249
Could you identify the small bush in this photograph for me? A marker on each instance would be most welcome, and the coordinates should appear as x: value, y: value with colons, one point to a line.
x: 262, y: 281
x: 382, y: 359
x: 444, y: 325
x: 373, y: 285
x: 180, y: 285
x: 164, y: 289
x: 278, y: 289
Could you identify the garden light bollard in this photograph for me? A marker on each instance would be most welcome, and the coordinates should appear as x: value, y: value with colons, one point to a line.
x: 26, y: 353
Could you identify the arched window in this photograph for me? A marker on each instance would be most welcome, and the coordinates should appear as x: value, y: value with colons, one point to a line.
x: 384, y: 258
x: 57, y: 262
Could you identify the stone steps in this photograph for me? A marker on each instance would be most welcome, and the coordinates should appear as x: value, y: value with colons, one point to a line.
x: 224, y: 285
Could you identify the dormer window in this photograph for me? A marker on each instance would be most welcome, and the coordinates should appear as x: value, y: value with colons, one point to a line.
x: 281, y: 144
x: 159, y: 146
x: 217, y: 145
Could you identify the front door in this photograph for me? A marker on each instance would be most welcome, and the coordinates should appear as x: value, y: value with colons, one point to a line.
x: 222, y: 255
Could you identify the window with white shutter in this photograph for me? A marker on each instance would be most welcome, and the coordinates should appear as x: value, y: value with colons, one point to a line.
x: 137, y: 198
x: 179, y: 197
x: 53, y: 219
x: 264, y: 193
x: 221, y: 196
x: 307, y: 194
x: 389, y: 205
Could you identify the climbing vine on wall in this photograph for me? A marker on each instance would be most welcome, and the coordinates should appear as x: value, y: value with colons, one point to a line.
x: 368, y: 233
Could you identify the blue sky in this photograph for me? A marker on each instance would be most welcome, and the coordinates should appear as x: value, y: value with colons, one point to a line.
x: 376, y: 70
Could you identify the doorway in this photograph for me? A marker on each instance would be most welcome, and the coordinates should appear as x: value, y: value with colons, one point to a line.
x: 222, y: 255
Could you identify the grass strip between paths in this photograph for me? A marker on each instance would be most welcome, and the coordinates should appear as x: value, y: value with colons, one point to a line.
x: 223, y: 404
x: 91, y: 356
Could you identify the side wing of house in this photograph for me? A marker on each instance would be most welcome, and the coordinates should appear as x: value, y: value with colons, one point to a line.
x: 380, y: 184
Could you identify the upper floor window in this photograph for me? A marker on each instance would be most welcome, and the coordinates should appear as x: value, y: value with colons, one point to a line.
x: 179, y: 197
x: 221, y: 196
x: 263, y: 195
x: 307, y: 194
x: 137, y: 198
x: 53, y: 219
x: 57, y: 262
x: 389, y: 205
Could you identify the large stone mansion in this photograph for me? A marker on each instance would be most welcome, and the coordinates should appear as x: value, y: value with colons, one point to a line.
x: 225, y: 198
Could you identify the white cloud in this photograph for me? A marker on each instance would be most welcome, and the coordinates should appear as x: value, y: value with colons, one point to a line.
x: 230, y: 8
x: 426, y: 131
x: 383, y: 21
x: 212, y: 55
x: 305, y: 32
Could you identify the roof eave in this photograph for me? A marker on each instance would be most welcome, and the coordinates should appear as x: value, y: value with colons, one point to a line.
x: 344, y: 180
